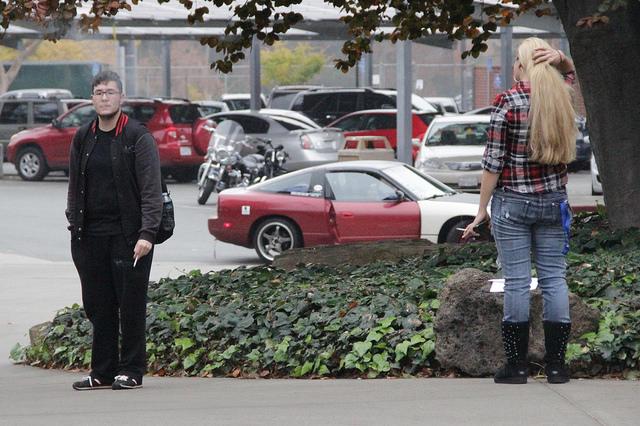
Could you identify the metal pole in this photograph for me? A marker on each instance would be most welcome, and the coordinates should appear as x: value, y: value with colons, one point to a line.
x: 166, y: 64
x: 254, y: 72
x: 130, y: 67
x: 506, y: 54
x: 404, y: 79
x: 463, y: 83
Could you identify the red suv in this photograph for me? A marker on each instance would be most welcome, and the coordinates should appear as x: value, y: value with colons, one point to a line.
x: 382, y: 122
x: 37, y: 151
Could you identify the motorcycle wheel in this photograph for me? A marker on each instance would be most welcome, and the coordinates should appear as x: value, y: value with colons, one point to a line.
x: 205, y: 191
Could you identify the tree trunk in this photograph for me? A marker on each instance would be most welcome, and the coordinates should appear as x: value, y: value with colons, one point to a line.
x: 607, y: 59
x: 7, y: 77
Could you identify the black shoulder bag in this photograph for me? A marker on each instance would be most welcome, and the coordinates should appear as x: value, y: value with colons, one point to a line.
x: 167, y: 222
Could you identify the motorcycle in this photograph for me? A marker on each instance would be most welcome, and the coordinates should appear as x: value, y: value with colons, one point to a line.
x: 230, y: 161
x: 274, y: 159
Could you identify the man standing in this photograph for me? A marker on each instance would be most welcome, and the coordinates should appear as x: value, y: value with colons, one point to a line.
x: 114, y: 206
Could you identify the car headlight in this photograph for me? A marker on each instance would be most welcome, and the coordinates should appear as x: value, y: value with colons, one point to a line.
x: 223, y: 155
x: 433, y: 164
x: 464, y: 166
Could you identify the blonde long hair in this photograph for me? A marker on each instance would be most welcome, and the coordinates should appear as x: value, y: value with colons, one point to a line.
x: 552, y: 138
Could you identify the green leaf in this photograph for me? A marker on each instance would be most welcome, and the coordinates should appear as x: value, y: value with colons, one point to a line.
x: 281, y: 350
x: 401, y: 349
x: 373, y: 336
x: 59, y: 350
x: 435, y: 304
x: 386, y: 322
x: 17, y: 353
x: 361, y: 348
x: 415, y: 339
x: 380, y: 362
x: 189, y: 361
x: 323, y: 370
x: 427, y: 348
x: 183, y: 343
x: 306, y: 367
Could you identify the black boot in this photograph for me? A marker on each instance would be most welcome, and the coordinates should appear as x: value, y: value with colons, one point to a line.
x: 515, y: 338
x: 556, y: 337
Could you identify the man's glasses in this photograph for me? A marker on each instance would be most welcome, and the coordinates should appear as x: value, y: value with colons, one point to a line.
x: 108, y: 93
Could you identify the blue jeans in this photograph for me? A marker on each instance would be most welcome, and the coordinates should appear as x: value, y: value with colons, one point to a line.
x: 522, y: 224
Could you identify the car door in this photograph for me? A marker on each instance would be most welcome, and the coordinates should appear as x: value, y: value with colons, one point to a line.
x: 364, y: 207
x: 58, y: 144
x: 14, y: 117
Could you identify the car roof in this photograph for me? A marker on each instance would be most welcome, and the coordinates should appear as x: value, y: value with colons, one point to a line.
x: 272, y: 113
x: 39, y: 93
x: 464, y: 118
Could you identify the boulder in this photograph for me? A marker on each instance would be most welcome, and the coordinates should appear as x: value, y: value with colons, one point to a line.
x: 38, y: 332
x: 355, y: 254
x: 467, y: 325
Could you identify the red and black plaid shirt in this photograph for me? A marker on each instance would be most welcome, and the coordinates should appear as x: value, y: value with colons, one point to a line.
x: 507, y: 150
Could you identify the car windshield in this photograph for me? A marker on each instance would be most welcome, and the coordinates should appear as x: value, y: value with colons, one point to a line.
x: 442, y: 133
x: 420, y: 185
x: 282, y: 100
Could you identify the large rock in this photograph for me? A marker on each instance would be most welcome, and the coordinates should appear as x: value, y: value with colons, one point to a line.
x: 354, y: 254
x: 467, y: 325
x: 38, y: 332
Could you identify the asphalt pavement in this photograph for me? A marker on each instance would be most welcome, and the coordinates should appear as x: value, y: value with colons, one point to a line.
x: 33, y: 287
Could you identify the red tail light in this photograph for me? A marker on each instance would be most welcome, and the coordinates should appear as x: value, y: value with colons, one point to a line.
x: 305, y: 142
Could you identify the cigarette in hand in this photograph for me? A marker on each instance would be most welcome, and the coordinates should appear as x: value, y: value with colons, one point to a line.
x: 135, y: 261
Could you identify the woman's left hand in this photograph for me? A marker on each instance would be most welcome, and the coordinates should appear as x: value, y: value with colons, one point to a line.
x: 551, y: 56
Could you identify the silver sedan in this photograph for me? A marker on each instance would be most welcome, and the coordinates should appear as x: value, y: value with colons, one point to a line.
x: 306, y: 143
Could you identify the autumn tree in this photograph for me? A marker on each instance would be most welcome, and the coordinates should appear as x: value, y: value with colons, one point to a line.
x: 282, y: 65
x: 16, y: 58
x: 603, y: 36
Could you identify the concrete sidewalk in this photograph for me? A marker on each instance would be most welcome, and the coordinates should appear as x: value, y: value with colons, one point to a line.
x: 32, y: 290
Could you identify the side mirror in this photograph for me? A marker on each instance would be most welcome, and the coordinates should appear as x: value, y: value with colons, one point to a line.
x: 415, y: 142
x: 56, y: 123
x: 400, y: 197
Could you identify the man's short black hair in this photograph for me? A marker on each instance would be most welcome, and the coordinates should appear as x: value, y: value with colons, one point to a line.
x: 105, y: 77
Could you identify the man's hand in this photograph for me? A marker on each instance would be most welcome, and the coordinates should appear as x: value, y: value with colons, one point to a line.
x: 142, y: 248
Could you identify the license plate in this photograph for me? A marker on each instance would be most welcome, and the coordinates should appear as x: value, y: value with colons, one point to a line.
x: 468, y: 182
x: 185, y: 150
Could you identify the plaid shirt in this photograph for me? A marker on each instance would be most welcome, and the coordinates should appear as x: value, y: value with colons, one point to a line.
x: 507, y: 150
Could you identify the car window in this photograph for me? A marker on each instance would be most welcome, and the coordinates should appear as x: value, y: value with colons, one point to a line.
x: 351, y: 123
x: 79, y: 116
x: 44, y: 112
x: 297, y: 184
x: 290, y: 124
x: 250, y: 124
x: 325, y: 103
x: 140, y: 112
x: 14, y: 113
x: 380, y: 122
x: 359, y: 187
x: 183, y: 114
x: 348, y: 102
x: 427, y: 118
x: 458, y: 134
x: 281, y: 100
x: 378, y: 101
x: 208, y: 110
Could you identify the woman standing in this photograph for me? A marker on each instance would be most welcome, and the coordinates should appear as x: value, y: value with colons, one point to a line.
x: 531, y: 139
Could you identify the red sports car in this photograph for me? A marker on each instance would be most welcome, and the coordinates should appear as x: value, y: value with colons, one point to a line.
x: 340, y: 203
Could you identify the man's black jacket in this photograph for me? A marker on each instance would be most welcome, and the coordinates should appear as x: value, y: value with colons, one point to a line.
x: 136, y: 173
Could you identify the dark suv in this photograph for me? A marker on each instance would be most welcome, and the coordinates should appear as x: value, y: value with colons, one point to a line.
x: 20, y: 113
x: 282, y: 96
x: 326, y: 105
x: 37, y: 151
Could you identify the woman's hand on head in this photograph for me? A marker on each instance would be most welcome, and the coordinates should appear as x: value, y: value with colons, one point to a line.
x: 551, y: 56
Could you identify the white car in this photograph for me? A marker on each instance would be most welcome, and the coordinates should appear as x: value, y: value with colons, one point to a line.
x: 596, y: 184
x: 239, y: 101
x: 444, y: 105
x: 452, y: 148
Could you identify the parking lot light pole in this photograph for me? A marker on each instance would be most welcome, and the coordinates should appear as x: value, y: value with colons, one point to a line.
x: 254, y: 72
x: 404, y: 79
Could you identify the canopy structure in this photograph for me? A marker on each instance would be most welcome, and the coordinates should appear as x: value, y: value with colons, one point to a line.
x: 168, y: 21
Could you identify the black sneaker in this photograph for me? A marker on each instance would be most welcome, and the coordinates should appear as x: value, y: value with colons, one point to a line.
x: 90, y: 383
x: 125, y: 382
x: 556, y: 373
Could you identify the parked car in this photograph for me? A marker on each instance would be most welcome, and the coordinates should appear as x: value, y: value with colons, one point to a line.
x: 480, y: 111
x: 282, y: 96
x: 383, y: 122
x: 26, y: 112
x: 328, y: 104
x: 596, y: 183
x: 211, y: 107
x: 444, y: 105
x: 39, y: 93
x: 240, y: 101
x: 306, y: 143
x: 583, y: 147
x: 340, y: 203
x: 451, y: 150
x: 37, y: 151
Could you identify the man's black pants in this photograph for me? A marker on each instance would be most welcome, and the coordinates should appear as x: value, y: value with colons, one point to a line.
x: 114, y: 295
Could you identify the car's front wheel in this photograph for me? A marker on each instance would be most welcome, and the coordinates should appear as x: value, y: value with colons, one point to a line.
x: 31, y: 165
x: 274, y: 236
